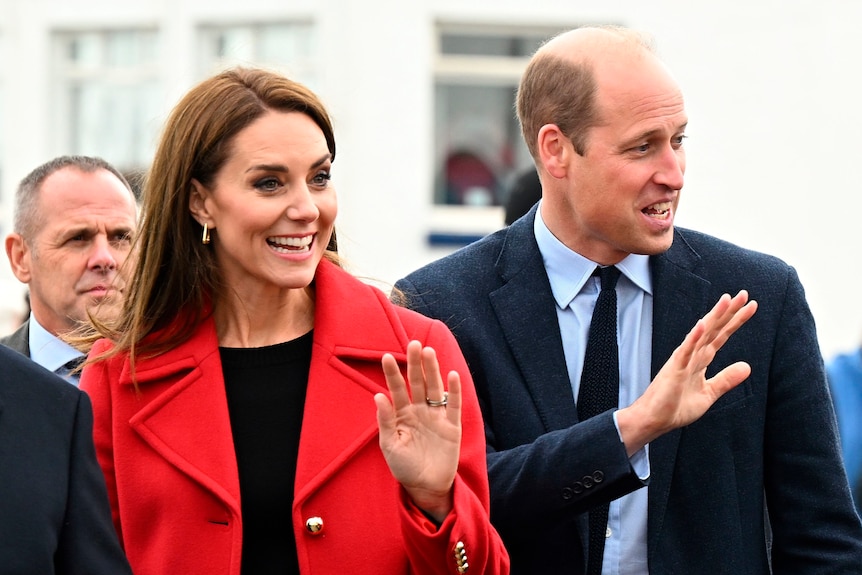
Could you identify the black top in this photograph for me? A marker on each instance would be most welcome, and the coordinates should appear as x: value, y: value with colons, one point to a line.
x: 266, y: 395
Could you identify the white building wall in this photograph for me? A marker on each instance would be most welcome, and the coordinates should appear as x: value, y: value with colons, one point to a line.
x: 772, y: 91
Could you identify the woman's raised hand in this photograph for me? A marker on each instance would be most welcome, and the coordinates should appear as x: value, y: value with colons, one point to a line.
x: 420, y: 428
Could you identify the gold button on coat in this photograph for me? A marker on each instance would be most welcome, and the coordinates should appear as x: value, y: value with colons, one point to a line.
x: 314, y: 525
x: 460, y: 553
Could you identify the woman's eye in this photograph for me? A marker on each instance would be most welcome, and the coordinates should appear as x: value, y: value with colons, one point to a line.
x: 267, y: 184
x: 322, y: 178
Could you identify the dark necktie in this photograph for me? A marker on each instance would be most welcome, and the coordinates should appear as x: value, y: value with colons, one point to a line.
x: 67, y: 370
x: 599, y: 391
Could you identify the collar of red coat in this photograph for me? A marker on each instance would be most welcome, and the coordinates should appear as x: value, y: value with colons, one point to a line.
x: 347, y: 323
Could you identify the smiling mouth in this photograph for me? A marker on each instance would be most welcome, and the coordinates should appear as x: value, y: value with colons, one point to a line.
x: 290, y: 245
x: 660, y: 211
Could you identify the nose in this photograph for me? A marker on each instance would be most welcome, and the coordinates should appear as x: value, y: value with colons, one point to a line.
x: 102, y: 256
x: 671, y: 168
x: 301, y: 206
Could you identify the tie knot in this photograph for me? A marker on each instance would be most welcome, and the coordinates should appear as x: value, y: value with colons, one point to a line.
x: 74, y: 364
x: 609, y: 276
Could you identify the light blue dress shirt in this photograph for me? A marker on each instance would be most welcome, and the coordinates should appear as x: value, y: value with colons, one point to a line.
x: 576, y: 291
x: 49, y: 351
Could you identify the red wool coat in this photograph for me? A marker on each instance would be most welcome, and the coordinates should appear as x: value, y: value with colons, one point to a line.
x: 168, y: 456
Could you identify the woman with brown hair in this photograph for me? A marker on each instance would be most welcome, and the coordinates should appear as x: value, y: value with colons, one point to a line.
x: 234, y: 399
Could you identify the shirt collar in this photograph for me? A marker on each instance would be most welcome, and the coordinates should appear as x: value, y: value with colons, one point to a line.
x: 48, y: 350
x: 568, y: 270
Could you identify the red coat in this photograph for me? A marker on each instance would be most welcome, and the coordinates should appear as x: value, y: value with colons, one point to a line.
x: 169, y: 461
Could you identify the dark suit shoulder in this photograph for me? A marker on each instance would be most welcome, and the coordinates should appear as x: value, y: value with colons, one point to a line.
x: 464, y: 265
x: 724, y: 264
x: 714, y: 250
x: 19, y: 340
x: 29, y: 384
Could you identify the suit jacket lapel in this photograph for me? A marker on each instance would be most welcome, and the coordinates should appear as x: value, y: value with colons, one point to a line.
x: 526, y: 312
x: 679, y: 298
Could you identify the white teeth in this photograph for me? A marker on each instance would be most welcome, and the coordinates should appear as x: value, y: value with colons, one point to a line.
x: 302, y: 242
x: 660, y: 210
x: 290, y: 245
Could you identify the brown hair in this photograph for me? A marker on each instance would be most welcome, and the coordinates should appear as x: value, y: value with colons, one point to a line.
x: 176, y: 278
x: 562, y: 90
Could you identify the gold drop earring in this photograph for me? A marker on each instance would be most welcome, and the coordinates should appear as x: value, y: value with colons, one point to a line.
x: 205, y: 238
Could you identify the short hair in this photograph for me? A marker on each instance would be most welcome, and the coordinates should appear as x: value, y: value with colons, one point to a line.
x: 562, y: 91
x: 176, y: 277
x: 26, y: 214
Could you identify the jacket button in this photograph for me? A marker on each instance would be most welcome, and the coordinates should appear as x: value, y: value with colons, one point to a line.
x: 578, y: 487
x: 598, y: 476
x: 460, y: 553
x: 588, y: 481
x: 314, y: 525
x: 568, y: 493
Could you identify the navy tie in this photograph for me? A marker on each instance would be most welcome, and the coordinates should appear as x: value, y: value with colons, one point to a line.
x: 600, y: 390
x: 67, y: 370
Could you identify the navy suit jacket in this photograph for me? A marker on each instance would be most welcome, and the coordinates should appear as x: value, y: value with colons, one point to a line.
x: 54, y: 513
x: 769, y: 443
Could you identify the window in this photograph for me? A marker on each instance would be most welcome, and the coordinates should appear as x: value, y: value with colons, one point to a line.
x: 288, y: 47
x: 478, y: 147
x: 108, y: 95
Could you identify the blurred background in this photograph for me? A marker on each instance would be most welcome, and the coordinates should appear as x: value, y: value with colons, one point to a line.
x: 421, y: 93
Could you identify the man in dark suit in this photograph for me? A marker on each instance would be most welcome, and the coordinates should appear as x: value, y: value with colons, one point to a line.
x: 756, y: 484
x: 73, y: 224
x: 54, y: 512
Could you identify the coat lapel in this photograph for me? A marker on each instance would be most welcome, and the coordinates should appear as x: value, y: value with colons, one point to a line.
x: 526, y: 312
x: 349, y: 342
x: 201, y: 447
x: 680, y: 296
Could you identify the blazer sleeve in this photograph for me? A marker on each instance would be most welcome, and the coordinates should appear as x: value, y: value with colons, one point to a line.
x: 815, y: 528
x: 466, y: 537
x: 88, y: 544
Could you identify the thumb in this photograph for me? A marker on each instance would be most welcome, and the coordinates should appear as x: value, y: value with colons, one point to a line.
x: 728, y: 378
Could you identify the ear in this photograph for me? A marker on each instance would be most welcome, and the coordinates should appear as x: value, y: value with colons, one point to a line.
x: 198, y: 204
x: 555, y: 150
x: 19, y: 255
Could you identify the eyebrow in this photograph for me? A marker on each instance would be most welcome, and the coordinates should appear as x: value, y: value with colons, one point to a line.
x: 651, y: 133
x: 284, y: 169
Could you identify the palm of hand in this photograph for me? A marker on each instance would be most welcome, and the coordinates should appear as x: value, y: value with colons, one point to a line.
x: 421, y: 442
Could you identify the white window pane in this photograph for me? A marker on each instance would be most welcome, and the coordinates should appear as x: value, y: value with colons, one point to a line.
x: 285, y: 43
x: 236, y: 45
x: 108, y: 95
x: 479, y: 145
x: 479, y: 150
x: 288, y: 47
x: 85, y: 50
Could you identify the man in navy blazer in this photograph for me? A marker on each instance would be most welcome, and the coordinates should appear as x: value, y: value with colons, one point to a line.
x: 755, y: 485
x: 54, y: 513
